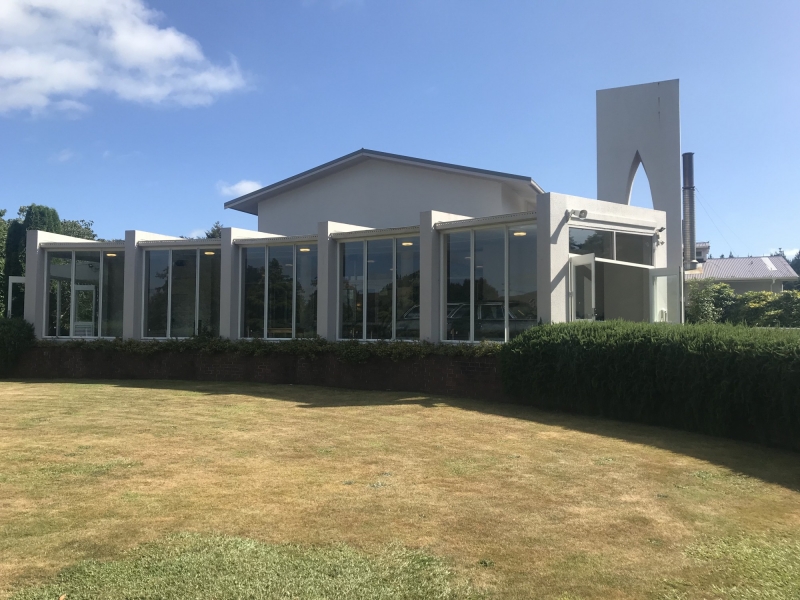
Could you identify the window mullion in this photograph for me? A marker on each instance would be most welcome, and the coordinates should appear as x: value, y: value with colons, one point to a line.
x: 72, y: 300
x: 100, y: 300
x: 294, y: 291
x: 169, y: 295
x: 394, y: 288
x: 506, y: 269
x: 266, y: 292
x: 364, y: 294
x: 472, y: 286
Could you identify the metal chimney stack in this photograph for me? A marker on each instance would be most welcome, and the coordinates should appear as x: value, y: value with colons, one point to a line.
x: 689, y: 231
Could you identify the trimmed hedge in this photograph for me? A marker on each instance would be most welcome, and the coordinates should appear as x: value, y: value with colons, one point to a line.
x: 723, y: 380
x: 16, y: 336
x: 348, y: 351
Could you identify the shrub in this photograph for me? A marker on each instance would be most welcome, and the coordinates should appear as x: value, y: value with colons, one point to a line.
x: 724, y: 380
x: 709, y: 301
x: 347, y: 351
x: 16, y: 336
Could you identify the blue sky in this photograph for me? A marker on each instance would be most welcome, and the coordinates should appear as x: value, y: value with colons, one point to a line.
x: 150, y: 114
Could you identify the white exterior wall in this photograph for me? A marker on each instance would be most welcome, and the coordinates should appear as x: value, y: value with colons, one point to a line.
x: 641, y: 124
x: 553, y: 242
x: 380, y: 194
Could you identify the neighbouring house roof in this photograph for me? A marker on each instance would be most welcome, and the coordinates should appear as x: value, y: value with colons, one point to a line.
x: 249, y: 202
x: 746, y: 268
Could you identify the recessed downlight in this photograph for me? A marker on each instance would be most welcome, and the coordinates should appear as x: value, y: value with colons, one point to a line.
x: 408, y: 243
x: 305, y: 249
x: 111, y: 254
x: 520, y: 233
x: 209, y: 253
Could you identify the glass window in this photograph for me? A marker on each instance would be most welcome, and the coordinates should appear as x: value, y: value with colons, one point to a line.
x: 16, y: 302
x: 184, y: 293
x: 522, y: 307
x: 634, y: 248
x: 280, y: 287
x: 380, y: 258
x: 306, y: 291
x: 352, y: 290
x: 457, y: 266
x: 87, y: 294
x: 254, y: 278
x: 156, y: 276
x: 59, y: 293
x: 209, y: 288
x: 113, y: 291
x: 490, y: 287
x: 591, y: 241
x: 407, y: 281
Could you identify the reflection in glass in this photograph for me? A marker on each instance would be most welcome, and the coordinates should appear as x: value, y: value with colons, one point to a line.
x: 86, y: 294
x: 457, y: 266
x: 279, y: 290
x: 184, y: 290
x: 407, y: 281
x: 490, y: 289
x: 351, y: 290
x: 254, y: 278
x: 16, y: 303
x: 59, y: 293
x: 634, y: 248
x: 306, y: 295
x: 591, y: 241
x: 156, y: 276
x: 113, y: 291
x: 584, y: 307
x: 379, y: 289
x: 208, y: 300
x: 522, y: 307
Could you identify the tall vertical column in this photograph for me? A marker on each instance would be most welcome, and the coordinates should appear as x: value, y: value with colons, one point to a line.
x: 552, y: 247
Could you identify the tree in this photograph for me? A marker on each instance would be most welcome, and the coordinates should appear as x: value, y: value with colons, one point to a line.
x: 42, y: 218
x: 215, y: 232
x: 708, y: 301
x: 795, y: 264
x: 79, y: 229
x: 28, y: 218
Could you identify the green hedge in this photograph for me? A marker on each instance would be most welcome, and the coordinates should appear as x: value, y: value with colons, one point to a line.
x: 724, y: 380
x: 347, y: 351
x: 710, y: 301
x: 16, y: 336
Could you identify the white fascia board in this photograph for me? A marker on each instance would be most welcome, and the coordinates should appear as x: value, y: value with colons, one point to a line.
x: 83, y: 245
x: 372, y: 233
x: 214, y: 242
x: 499, y: 219
x: 273, y: 240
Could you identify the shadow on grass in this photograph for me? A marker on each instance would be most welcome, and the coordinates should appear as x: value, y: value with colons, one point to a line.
x: 771, y: 465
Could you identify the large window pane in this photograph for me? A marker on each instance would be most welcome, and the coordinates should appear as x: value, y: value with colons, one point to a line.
x: 184, y: 292
x: 591, y: 241
x: 208, y: 300
x: 86, y: 295
x: 407, y: 277
x: 522, y: 307
x: 457, y: 265
x: 490, y: 288
x: 254, y: 281
x: 351, y: 296
x: 379, y: 289
x: 279, y: 288
x: 156, y: 276
x: 113, y: 293
x: 16, y: 302
x: 59, y: 293
x: 306, y: 281
x: 634, y: 248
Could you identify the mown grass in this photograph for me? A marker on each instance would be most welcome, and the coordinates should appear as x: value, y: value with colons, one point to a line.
x: 515, y: 502
x: 187, y: 566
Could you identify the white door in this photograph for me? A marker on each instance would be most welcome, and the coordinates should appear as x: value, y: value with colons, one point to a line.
x: 665, y: 296
x: 581, y: 278
x: 85, y: 305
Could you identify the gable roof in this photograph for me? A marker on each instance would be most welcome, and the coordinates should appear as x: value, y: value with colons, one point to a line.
x: 249, y: 202
x: 751, y: 267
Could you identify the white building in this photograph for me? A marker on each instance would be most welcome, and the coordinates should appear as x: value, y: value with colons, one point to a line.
x: 381, y: 246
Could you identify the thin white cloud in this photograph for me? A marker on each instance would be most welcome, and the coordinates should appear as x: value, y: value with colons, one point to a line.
x: 245, y: 186
x: 55, y: 52
x: 196, y: 233
x: 789, y: 252
x: 65, y: 155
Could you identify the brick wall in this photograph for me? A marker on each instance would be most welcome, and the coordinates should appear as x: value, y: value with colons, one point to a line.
x: 465, y: 377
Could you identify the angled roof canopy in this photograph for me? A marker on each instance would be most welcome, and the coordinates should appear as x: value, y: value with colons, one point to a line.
x: 249, y: 202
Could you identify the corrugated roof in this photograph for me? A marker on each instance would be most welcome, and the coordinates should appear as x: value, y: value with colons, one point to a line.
x: 751, y: 267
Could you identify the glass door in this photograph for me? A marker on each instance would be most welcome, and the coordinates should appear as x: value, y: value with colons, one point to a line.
x: 665, y: 304
x: 582, y: 279
x: 16, y: 297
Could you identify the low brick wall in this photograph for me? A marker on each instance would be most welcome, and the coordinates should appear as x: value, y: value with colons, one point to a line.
x: 477, y: 377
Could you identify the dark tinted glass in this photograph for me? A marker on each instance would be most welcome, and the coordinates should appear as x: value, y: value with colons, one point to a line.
x: 634, y: 248
x: 208, y: 300
x: 113, y: 293
x: 379, y: 289
x: 457, y: 266
x: 184, y: 292
x: 59, y: 293
x: 522, y: 307
x: 407, y: 281
x: 306, y: 295
x: 489, y: 310
x: 253, y: 284
x: 156, y: 276
x: 351, y: 290
x: 591, y: 241
x: 280, y: 287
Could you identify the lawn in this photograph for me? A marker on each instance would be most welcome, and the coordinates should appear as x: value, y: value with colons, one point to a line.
x: 210, y: 486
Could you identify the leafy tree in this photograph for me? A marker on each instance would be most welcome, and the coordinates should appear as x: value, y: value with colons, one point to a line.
x: 15, y: 249
x: 215, y: 232
x: 795, y: 264
x: 79, y: 229
x: 42, y: 218
x: 708, y: 301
